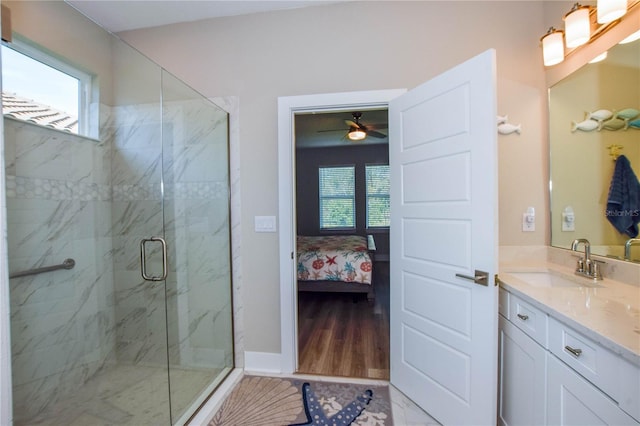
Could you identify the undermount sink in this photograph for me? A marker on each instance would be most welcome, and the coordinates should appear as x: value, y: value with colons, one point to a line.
x: 547, y: 278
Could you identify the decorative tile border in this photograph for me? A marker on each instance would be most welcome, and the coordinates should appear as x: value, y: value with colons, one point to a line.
x: 19, y: 187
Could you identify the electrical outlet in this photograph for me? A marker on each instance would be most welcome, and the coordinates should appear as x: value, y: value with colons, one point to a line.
x: 529, y: 220
x: 568, y: 220
x: 568, y: 224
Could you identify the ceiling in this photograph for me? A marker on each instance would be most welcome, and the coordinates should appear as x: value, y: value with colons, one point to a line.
x: 124, y: 15
x: 328, y: 129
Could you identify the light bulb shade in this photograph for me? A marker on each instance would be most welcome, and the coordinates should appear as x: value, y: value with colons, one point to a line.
x: 610, y: 10
x: 356, y: 134
x: 599, y: 58
x: 577, y: 26
x: 552, y: 47
x: 633, y: 37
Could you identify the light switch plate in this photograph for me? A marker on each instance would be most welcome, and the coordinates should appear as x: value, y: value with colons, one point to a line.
x: 265, y: 223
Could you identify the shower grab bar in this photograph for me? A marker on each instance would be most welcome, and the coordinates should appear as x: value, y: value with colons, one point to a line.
x: 66, y: 264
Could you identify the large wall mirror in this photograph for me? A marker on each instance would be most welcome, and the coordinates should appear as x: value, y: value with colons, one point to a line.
x: 594, y: 117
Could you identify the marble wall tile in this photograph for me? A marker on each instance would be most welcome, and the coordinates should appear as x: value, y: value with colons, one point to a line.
x: 231, y: 104
x: 61, y: 321
x: 93, y: 201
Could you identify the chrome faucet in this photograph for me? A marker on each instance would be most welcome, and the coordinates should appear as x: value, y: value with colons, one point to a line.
x: 586, y: 267
x: 627, y: 247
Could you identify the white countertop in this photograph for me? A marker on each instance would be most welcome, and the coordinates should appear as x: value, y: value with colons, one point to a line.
x: 606, y: 311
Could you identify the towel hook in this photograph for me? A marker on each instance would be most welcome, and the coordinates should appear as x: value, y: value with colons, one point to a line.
x: 614, y: 151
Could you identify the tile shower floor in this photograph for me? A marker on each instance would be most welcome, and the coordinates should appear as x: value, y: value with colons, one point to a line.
x: 126, y: 395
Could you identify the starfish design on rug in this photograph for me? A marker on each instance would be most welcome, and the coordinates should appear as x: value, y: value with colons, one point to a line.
x: 316, y: 415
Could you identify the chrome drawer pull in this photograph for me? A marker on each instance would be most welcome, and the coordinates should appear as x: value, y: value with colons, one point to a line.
x: 523, y: 317
x: 574, y: 352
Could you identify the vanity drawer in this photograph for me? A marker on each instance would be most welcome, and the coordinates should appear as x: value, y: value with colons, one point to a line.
x: 629, y: 399
x: 595, y: 363
x: 503, y: 303
x: 529, y: 319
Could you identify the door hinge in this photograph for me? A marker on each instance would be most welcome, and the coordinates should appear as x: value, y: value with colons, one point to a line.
x: 291, y: 255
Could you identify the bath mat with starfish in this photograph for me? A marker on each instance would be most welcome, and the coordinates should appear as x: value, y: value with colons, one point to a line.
x: 273, y: 401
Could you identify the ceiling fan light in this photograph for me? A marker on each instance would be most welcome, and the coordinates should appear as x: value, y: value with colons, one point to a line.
x: 356, y: 134
x: 610, y: 10
x: 577, y: 26
x: 552, y: 47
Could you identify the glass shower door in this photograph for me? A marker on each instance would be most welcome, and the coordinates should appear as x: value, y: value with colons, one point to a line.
x: 99, y: 344
x: 132, y: 128
x: 195, y: 168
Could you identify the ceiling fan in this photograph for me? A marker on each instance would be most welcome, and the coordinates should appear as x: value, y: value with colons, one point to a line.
x: 358, y: 131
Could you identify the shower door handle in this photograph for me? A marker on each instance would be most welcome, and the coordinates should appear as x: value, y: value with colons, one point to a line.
x: 143, y: 259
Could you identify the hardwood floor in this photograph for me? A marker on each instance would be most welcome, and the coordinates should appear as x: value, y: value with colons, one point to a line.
x: 344, y: 335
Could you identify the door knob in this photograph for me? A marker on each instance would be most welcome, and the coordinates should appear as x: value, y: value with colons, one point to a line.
x: 480, y: 277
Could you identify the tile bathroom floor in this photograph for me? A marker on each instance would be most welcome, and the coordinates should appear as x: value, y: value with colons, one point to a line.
x: 125, y: 395
x: 136, y: 395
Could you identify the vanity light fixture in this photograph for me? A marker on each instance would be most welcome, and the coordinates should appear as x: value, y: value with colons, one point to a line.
x: 553, y: 47
x: 599, y: 58
x: 584, y: 24
x: 610, y: 10
x: 577, y: 26
x: 633, y: 37
x: 356, y: 134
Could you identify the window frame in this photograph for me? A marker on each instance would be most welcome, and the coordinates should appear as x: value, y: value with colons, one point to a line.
x: 352, y: 198
x: 366, y: 188
x: 85, y: 79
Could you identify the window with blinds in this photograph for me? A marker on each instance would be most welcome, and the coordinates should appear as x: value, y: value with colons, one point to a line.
x: 337, y: 197
x: 378, y: 207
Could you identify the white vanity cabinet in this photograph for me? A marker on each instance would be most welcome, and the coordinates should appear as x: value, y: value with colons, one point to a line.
x: 522, y: 377
x: 572, y: 400
x: 550, y: 374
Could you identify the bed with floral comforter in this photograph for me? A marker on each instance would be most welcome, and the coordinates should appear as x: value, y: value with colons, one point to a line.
x: 339, y: 263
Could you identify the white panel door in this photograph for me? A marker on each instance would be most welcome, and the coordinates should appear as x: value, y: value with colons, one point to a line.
x: 443, y: 159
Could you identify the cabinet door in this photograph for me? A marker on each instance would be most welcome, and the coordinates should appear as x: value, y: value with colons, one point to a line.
x: 522, y: 378
x: 572, y: 400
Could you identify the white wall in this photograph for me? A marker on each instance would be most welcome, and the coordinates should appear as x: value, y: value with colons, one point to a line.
x: 391, y: 44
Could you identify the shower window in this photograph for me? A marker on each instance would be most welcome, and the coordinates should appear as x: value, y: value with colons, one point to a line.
x: 42, y: 89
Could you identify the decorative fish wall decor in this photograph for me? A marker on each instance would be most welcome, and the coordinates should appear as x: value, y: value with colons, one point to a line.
x: 614, y: 124
x: 508, y: 128
x: 587, y: 125
x: 505, y: 128
x: 635, y: 124
x: 599, y: 115
x: 627, y: 113
x: 608, y: 120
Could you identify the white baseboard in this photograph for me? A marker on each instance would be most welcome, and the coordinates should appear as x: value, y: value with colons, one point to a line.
x: 262, y: 362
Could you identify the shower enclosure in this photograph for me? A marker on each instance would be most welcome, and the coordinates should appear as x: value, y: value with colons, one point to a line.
x: 146, y: 193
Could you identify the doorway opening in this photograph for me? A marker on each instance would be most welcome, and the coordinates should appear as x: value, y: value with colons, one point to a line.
x: 321, y: 326
x: 342, y: 234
